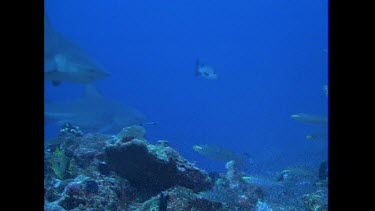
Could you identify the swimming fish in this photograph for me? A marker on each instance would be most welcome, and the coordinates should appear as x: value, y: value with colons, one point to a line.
x: 215, y: 152
x: 205, y: 71
x: 310, y: 118
x: 261, y: 182
x: 220, y: 154
x: 315, y: 136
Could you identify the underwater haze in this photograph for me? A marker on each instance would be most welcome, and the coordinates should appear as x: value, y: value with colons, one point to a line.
x: 271, y: 58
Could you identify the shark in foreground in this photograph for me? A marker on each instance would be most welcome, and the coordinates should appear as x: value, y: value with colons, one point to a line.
x: 64, y: 61
x: 93, y: 113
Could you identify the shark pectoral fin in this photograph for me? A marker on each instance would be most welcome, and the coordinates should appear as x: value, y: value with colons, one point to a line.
x: 56, y: 83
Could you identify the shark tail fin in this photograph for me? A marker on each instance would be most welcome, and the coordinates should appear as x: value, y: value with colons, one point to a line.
x: 91, y: 92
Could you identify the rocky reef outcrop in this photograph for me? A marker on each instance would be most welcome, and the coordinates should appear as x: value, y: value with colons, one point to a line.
x: 154, y: 168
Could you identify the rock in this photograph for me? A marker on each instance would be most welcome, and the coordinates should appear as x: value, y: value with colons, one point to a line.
x: 153, y: 168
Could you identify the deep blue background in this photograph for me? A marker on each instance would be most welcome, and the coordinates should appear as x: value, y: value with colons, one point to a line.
x: 271, y: 56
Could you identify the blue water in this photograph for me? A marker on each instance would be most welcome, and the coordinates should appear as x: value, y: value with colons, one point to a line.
x: 271, y: 57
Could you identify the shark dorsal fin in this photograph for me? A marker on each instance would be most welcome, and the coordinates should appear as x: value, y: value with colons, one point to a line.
x: 91, y: 92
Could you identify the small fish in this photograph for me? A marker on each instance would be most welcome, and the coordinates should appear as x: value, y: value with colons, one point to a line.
x: 310, y: 118
x: 261, y: 182
x: 148, y: 123
x: 315, y: 136
x: 205, y: 71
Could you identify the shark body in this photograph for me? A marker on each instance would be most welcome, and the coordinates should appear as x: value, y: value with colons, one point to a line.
x: 93, y: 113
x: 64, y: 61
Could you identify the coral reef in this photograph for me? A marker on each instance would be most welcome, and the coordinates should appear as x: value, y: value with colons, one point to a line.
x: 68, y: 128
x: 125, y: 172
x: 316, y: 201
x: 262, y: 206
x: 85, y: 193
x: 180, y: 198
x: 233, y: 190
x: 154, y: 168
x: 101, y: 172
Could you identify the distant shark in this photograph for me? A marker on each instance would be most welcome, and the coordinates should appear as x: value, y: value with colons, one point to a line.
x: 205, y: 71
x: 64, y: 61
x: 93, y: 113
x: 313, y: 119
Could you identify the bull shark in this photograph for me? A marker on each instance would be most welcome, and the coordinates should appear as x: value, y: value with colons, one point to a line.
x: 65, y: 61
x: 93, y: 113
